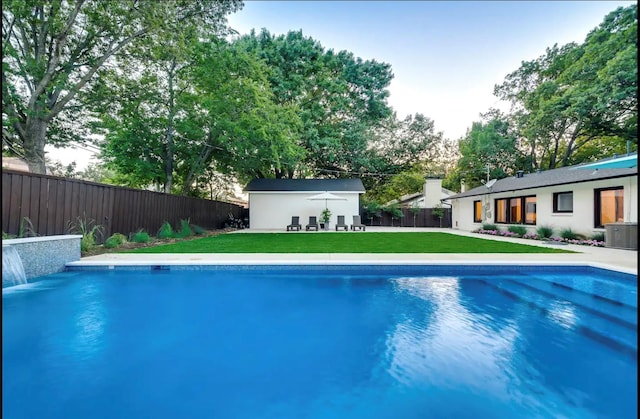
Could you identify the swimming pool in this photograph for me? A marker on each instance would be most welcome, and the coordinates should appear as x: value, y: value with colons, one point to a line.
x: 322, y: 342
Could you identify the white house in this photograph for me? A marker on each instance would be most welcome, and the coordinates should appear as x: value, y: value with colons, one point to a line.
x: 272, y: 202
x: 583, y: 198
x: 432, y: 194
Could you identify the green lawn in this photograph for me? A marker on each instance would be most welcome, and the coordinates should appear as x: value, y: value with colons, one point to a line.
x: 347, y: 242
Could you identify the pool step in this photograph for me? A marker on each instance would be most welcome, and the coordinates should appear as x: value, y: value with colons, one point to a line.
x: 612, y: 334
x: 618, y: 291
x: 613, y: 311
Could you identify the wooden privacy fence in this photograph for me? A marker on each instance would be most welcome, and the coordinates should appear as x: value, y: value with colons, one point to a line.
x: 423, y: 218
x: 52, y: 204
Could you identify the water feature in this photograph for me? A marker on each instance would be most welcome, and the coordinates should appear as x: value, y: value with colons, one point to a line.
x: 12, y: 268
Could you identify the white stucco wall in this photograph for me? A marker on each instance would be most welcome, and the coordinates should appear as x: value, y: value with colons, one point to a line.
x: 432, y: 193
x: 273, y: 210
x: 580, y: 221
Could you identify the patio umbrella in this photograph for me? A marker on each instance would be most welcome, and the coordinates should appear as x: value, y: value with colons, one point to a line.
x: 326, y: 196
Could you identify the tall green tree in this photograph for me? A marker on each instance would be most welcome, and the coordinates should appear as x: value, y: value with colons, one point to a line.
x: 217, y: 111
x: 243, y: 128
x: 405, y: 149
x: 340, y: 97
x: 396, y: 186
x: 606, y: 74
x: 578, y: 94
x: 53, y: 49
x: 489, y: 149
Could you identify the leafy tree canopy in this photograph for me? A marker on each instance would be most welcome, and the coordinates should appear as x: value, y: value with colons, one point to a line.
x: 53, y: 49
x: 576, y: 95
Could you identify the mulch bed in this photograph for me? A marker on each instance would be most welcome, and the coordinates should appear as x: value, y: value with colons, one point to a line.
x: 100, y: 249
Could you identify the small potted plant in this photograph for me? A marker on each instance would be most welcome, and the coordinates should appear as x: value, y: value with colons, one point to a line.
x: 324, y: 218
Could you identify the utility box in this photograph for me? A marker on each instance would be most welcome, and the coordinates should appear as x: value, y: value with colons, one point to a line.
x: 621, y: 236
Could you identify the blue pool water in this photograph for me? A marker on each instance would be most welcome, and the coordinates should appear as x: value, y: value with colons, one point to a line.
x: 322, y: 342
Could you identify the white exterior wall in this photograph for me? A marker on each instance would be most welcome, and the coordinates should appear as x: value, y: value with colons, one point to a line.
x: 432, y: 193
x: 581, y: 221
x: 273, y: 210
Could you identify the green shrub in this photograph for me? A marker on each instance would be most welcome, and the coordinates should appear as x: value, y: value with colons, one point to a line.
x: 598, y: 237
x: 6, y: 236
x: 115, y: 240
x: 88, y: 229
x: 166, y: 231
x: 197, y: 229
x: 490, y: 227
x: 185, y: 230
x: 519, y: 230
x: 26, y: 228
x: 544, y: 232
x: 140, y: 236
x: 568, y: 234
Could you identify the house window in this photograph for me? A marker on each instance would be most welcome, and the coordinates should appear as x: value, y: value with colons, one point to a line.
x: 520, y: 210
x: 501, y: 211
x: 515, y: 210
x: 563, y: 202
x: 477, y: 211
x: 530, y: 210
x: 609, y: 206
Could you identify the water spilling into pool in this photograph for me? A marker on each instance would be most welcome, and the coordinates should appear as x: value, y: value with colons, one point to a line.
x: 302, y: 343
x: 12, y: 268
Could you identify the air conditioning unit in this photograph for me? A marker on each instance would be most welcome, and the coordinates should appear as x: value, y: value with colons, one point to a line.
x: 621, y: 236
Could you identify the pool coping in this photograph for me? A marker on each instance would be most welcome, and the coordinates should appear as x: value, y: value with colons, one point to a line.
x: 184, y: 261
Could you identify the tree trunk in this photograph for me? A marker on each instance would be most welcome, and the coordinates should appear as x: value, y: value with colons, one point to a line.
x: 195, y: 168
x: 170, y: 130
x: 34, y: 141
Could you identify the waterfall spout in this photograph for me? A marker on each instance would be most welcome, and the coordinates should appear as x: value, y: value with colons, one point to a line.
x: 12, y: 268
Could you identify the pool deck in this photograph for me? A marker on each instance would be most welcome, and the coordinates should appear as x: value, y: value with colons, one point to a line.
x: 614, y: 259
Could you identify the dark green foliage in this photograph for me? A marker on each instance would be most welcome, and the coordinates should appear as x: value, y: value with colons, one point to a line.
x: 140, y: 237
x: 438, y: 211
x: 185, y: 230
x: 89, y: 231
x: 578, y: 102
x: 490, y: 227
x: 394, y: 211
x: 492, y: 143
x: 198, y: 230
x: 598, y: 237
x: 325, y: 215
x: 340, y: 99
x: 519, y: 230
x: 26, y: 228
x: 166, y: 231
x: 544, y: 232
x: 568, y: 234
x: 115, y: 240
x: 396, y: 186
x: 372, y: 210
x: 55, y: 52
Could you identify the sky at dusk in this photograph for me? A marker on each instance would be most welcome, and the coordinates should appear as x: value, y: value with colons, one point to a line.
x: 446, y: 56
